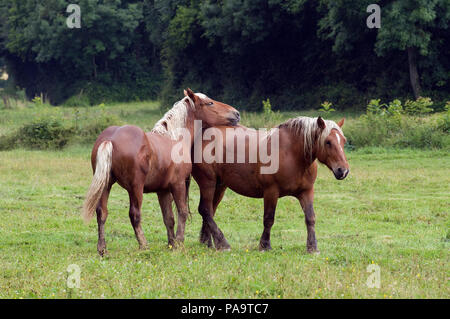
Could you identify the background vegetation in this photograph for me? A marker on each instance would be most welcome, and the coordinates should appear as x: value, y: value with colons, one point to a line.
x: 298, y: 53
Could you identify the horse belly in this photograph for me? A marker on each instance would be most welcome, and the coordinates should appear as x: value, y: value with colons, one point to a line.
x: 244, y: 182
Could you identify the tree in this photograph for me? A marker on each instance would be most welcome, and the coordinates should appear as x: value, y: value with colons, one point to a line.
x: 410, y: 26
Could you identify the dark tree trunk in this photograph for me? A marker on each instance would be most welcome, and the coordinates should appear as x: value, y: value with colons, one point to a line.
x: 95, y: 67
x: 413, y: 74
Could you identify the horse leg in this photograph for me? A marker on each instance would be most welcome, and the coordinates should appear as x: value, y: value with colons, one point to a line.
x: 179, y: 196
x: 270, y: 204
x: 136, y: 194
x: 205, y: 208
x: 205, y: 234
x: 165, y: 202
x: 102, y: 214
x: 306, y: 201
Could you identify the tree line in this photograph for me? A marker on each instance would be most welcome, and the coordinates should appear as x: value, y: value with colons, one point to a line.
x: 298, y: 53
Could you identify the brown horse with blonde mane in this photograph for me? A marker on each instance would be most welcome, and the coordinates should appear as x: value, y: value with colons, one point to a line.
x: 301, y: 141
x: 142, y: 163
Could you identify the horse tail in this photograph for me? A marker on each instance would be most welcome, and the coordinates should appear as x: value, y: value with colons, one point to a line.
x: 188, y: 184
x: 99, y: 181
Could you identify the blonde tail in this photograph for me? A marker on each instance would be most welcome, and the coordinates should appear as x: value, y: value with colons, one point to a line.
x: 99, y: 181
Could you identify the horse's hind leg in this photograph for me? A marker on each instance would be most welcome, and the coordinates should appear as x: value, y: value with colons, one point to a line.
x: 165, y: 202
x: 270, y: 204
x: 179, y: 196
x: 136, y: 194
x: 205, y: 234
x: 102, y: 214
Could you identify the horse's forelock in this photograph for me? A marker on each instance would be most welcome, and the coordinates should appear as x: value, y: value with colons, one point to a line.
x: 201, y: 95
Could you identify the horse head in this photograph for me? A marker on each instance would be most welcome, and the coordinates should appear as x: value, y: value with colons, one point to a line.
x: 211, y: 112
x: 330, y: 150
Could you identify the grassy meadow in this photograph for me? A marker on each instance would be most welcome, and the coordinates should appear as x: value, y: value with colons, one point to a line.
x: 392, y: 211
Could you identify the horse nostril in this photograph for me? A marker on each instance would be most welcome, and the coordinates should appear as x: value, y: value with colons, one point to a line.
x: 237, y: 114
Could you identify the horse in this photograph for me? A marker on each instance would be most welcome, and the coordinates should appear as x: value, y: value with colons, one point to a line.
x: 301, y: 141
x: 142, y: 163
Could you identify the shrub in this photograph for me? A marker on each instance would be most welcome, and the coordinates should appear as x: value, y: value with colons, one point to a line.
x: 44, y: 133
x: 419, y: 106
x: 267, y: 107
x: 79, y: 100
x: 375, y: 107
x: 394, y: 108
x: 400, y: 130
x: 326, y: 108
x: 52, y: 132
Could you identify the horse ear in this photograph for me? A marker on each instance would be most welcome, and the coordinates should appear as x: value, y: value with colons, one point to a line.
x: 341, y: 122
x: 188, y: 92
x: 321, y: 123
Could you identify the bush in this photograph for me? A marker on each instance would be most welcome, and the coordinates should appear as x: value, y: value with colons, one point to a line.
x: 419, y: 106
x: 51, y: 132
x: 326, y: 108
x: 45, y: 133
x: 388, y: 125
x: 79, y: 100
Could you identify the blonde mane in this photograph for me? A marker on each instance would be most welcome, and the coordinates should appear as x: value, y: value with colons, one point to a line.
x: 308, y: 128
x: 174, y: 118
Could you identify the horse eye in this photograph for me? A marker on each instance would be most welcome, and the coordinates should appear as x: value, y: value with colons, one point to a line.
x: 209, y: 103
x: 328, y: 143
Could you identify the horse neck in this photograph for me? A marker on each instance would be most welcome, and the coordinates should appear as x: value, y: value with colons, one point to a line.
x: 297, y: 143
x: 190, y: 126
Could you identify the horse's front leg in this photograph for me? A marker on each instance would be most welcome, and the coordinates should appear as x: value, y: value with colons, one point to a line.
x: 270, y: 204
x: 306, y: 199
x: 180, y: 197
x: 205, y: 234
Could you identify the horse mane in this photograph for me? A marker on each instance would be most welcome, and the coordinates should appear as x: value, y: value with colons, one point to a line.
x: 308, y: 128
x: 174, y: 118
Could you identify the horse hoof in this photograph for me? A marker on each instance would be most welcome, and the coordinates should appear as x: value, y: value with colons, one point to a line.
x: 223, y: 247
x: 313, y: 251
x: 102, y: 252
x: 143, y: 247
x: 265, y: 246
x: 179, y: 240
x: 179, y: 244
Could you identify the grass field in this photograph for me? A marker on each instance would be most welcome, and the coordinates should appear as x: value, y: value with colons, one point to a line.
x: 392, y: 210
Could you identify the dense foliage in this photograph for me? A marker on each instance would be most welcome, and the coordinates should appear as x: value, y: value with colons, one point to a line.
x: 298, y: 53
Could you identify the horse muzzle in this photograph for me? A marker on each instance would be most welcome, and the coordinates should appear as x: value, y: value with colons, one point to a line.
x: 341, y: 173
x: 235, y: 120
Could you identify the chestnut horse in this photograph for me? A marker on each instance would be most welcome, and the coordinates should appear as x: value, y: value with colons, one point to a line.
x: 301, y: 141
x: 142, y: 163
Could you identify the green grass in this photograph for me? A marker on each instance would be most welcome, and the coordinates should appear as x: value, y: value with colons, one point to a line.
x: 392, y: 210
